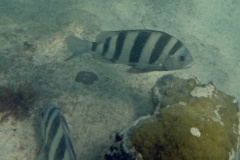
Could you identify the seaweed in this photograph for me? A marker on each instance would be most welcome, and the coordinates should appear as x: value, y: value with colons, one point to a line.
x: 16, y: 101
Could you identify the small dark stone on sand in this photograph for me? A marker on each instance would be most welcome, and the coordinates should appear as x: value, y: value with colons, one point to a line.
x: 86, y: 77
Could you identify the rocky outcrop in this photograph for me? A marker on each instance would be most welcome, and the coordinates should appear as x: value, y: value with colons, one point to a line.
x: 191, y: 121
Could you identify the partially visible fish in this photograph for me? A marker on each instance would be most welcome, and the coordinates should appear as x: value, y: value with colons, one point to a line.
x: 145, y: 50
x: 57, y: 141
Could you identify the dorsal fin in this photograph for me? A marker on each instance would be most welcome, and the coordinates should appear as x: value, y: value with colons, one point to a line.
x: 104, y: 35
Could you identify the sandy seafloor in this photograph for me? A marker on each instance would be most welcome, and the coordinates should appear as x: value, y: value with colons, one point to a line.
x: 209, y: 28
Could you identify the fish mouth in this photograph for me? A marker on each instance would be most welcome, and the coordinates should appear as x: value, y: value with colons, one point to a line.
x: 189, y: 65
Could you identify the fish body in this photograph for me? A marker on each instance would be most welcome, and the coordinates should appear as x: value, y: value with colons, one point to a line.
x: 145, y: 50
x: 57, y: 141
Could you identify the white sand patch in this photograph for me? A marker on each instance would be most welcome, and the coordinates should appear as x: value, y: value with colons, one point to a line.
x: 195, y: 132
x: 217, y: 118
x: 203, y: 91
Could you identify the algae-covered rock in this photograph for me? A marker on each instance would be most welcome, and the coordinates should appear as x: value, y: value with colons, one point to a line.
x: 192, y: 121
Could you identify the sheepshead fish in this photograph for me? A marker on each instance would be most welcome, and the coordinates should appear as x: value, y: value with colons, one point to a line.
x: 144, y: 50
x: 57, y: 141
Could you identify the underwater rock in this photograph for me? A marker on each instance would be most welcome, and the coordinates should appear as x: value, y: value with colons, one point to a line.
x: 191, y: 121
x: 86, y: 77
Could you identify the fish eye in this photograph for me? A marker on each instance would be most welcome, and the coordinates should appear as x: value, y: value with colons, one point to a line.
x: 181, y: 58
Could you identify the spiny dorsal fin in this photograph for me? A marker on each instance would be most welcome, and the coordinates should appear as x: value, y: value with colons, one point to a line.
x: 104, y: 35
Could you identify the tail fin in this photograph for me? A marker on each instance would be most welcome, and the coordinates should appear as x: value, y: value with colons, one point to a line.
x: 77, y: 46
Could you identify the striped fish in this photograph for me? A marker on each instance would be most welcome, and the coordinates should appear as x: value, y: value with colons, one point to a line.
x: 145, y: 50
x: 57, y: 143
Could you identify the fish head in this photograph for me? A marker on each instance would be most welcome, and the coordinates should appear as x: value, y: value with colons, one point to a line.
x: 46, y: 108
x: 46, y: 112
x: 179, y: 60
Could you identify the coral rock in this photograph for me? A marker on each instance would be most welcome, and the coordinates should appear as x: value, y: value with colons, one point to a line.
x: 191, y: 121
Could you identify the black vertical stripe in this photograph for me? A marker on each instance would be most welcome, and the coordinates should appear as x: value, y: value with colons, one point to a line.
x: 52, y: 132
x: 94, y: 46
x: 119, y: 45
x: 175, y: 47
x: 49, y: 115
x: 158, y: 47
x: 59, y: 154
x: 138, y: 46
x: 106, y: 46
x: 53, y: 129
x: 71, y: 146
